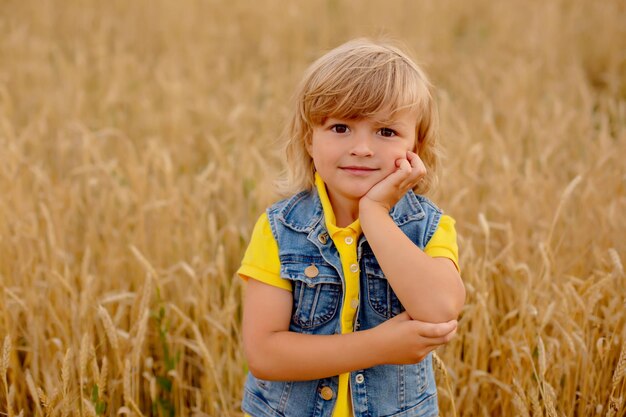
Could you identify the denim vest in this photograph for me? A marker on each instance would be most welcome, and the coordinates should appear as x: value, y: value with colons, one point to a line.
x: 387, y: 390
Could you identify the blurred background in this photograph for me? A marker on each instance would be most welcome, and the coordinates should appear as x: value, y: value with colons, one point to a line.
x: 139, y: 142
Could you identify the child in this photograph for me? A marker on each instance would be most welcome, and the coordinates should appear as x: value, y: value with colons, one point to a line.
x: 355, y: 277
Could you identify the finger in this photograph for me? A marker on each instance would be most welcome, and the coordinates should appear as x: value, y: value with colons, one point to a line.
x: 402, y: 172
x: 437, y: 330
x: 438, y: 341
x: 416, y: 175
x: 413, y: 158
x: 450, y: 335
x: 405, y: 166
x: 417, y: 165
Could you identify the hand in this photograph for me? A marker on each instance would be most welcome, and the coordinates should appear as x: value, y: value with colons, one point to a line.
x: 406, y: 341
x: 386, y: 193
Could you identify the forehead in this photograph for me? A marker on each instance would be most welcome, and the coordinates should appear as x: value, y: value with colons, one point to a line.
x: 406, y: 117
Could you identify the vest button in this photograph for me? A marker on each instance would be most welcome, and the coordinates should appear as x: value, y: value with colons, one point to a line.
x: 327, y: 393
x: 359, y: 379
x: 323, y: 238
x: 311, y: 271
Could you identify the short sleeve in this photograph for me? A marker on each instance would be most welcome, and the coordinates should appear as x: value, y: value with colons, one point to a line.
x: 443, y: 243
x: 261, y: 261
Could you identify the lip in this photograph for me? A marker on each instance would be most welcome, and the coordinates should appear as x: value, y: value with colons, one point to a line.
x: 358, y: 170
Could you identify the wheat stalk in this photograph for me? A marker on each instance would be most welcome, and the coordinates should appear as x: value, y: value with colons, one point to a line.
x: 88, y: 408
x: 45, y: 403
x: 32, y: 389
x: 564, y: 197
x: 549, y: 400
x: 618, y: 268
x: 441, y: 366
x: 518, y: 402
x: 11, y: 400
x: 66, y: 372
x: 541, y: 350
x: 620, y: 368
x: 111, y: 332
x: 83, y: 359
x: 126, y: 385
x: 139, y: 339
x: 146, y: 294
x: 535, y: 403
x: 102, y: 381
x: 4, y: 366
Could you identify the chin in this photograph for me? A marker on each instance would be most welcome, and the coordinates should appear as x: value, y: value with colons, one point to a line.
x: 357, y: 194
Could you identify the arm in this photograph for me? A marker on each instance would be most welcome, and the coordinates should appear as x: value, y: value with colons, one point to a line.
x: 429, y: 288
x: 275, y: 353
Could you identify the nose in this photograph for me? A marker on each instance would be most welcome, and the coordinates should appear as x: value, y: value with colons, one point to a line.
x: 361, y: 145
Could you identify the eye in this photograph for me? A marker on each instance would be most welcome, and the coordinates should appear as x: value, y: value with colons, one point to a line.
x: 340, y: 128
x: 388, y: 133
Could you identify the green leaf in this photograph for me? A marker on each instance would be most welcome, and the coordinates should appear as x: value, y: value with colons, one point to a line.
x: 165, y: 383
x: 101, y: 408
x: 166, y: 406
x: 94, y: 394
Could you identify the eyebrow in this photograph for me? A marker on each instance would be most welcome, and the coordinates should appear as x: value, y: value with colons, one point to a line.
x: 396, y: 124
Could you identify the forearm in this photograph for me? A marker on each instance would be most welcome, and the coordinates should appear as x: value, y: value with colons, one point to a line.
x: 290, y: 356
x: 430, y: 290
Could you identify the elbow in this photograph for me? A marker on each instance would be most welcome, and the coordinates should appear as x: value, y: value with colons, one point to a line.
x: 260, y: 364
x: 457, y: 302
x: 259, y: 372
x: 447, y: 308
x: 257, y: 364
x: 455, y: 298
x: 264, y: 372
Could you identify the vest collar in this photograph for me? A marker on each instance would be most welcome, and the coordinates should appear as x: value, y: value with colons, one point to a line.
x: 303, y: 211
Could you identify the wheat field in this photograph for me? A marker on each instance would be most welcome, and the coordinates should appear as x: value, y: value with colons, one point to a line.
x: 139, y: 143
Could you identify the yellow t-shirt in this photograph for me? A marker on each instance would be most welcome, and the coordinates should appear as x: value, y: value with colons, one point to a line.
x: 262, y: 263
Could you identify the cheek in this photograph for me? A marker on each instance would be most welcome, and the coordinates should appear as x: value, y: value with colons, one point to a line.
x: 398, y: 153
x: 390, y: 164
x: 392, y: 156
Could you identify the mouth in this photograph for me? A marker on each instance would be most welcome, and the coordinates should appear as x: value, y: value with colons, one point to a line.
x: 358, y: 170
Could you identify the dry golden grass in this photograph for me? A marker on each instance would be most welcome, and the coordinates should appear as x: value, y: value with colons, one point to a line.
x: 138, y: 149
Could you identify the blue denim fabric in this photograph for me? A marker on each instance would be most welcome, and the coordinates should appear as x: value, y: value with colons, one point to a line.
x: 387, y: 390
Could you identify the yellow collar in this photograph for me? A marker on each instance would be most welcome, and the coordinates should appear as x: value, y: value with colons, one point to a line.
x: 329, y: 214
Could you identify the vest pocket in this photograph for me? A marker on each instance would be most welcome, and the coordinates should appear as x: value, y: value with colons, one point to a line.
x: 266, y: 397
x: 415, y: 380
x: 316, y: 290
x: 380, y: 295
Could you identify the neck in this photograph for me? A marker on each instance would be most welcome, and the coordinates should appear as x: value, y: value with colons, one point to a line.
x: 346, y: 209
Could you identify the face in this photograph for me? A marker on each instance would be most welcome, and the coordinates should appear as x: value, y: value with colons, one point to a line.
x: 352, y: 155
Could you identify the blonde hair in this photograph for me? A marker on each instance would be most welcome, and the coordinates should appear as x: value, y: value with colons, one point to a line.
x: 356, y: 80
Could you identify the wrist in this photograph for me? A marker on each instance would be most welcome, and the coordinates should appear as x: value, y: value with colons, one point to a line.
x: 368, y: 205
x: 372, y: 215
x: 376, y: 346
